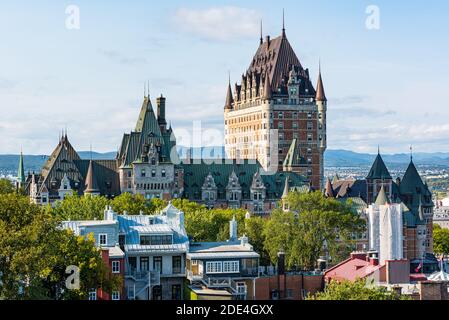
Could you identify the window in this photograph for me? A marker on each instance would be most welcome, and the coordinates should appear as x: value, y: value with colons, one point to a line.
x: 309, y: 137
x: 153, y: 161
x: 115, y: 266
x: 153, y: 173
x: 129, y: 174
x: 163, y: 173
x: 214, y: 267
x: 176, y: 264
x: 157, y: 264
x: 121, y: 240
x: 309, y: 126
x: 176, y: 292
x: 115, y: 295
x: 194, y: 262
x: 155, y: 240
x: 230, y: 266
x: 281, y: 125
x: 281, y: 115
x: 144, y: 263
x: 289, y: 293
x: 103, y: 239
x: 93, y: 295
x: 295, y: 125
x: 157, y: 293
x: 142, y: 173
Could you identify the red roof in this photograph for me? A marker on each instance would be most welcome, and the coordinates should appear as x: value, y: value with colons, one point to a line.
x: 418, y: 277
x: 351, y: 269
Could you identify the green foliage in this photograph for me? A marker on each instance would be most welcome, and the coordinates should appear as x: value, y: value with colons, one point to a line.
x: 74, y: 207
x: 357, y: 290
x: 212, y: 225
x: 6, y: 186
x: 132, y: 204
x: 440, y: 240
x: 254, y: 229
x: 34, y: 253
x: 312, y: 221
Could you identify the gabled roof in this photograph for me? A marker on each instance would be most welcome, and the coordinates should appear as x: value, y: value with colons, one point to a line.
x: 329, y: 190
x: 379, y: 169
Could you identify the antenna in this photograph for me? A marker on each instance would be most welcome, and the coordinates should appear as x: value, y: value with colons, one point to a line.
x: 283, y: 22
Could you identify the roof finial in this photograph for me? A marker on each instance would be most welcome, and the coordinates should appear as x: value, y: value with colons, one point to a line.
x: 411, y: 153
x: 283, y: 23
x: 261, y: 34
x: 378, y: 149
x: 144, y: 89
x: 148, y: 86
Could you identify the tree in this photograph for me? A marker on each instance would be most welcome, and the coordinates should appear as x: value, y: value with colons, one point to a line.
x: 311, y: 222
x: 75, y: 207
x: 212, y: 225
x: 6, y: 186
x: 34, y: 252
x: 132, y: 204
x: 254, y: 229
x: 440, y: 240
x: 357, y: 290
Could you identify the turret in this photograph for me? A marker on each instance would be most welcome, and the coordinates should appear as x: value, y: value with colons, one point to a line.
x: 91, y: 181
x: 229, y: 98
x: 161, y: 112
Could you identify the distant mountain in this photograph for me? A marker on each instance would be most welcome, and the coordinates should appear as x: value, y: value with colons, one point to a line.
x: 344, y: 158
x: 9, y: 162
x: 333, y: 158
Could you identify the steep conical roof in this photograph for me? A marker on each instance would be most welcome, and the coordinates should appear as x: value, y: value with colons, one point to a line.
x: 411, y: 180
x: 229, y: 98
x: 329, y: 190
x: 91, y: 181
x: 286, y: 188
x: 382, y: 198
x: 267, y: 88
x: 293, y: 157
x: 379, y: 169
x: 21, y: 170
x: 320, y: 95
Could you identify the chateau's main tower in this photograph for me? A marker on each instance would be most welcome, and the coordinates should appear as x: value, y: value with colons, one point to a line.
x: 275, y: 115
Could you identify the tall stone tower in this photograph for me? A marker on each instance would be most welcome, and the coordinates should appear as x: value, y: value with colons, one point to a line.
x: 275, y: 115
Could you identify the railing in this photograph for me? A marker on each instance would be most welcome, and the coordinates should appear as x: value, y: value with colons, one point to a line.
x: 153, y: 277
x: 249, y: 272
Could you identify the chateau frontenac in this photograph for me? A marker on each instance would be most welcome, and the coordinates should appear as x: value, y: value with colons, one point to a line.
x: 275, y: 115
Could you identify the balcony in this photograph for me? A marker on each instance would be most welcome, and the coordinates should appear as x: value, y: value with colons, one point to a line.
x: 152, y: 277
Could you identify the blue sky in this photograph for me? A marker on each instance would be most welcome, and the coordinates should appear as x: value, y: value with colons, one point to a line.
x: 386, y: 87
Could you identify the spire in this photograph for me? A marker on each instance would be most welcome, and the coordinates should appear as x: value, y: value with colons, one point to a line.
x: 91, y: 182
x: 21, y: 170
x: 283, y: 23
x: 286, y: 188
x: 261, y: 33
x: 267, y: 87
x: 329, y: 191
x: 411, y: 153
x: 229, y: 98
x: 382, y: 198
x: 320, y: 95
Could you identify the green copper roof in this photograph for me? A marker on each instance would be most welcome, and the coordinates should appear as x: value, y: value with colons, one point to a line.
x: 379, y: 169
x: 195, y: 174
x: 382, y: 198
x: 21, y: 171
x: 293, y: 157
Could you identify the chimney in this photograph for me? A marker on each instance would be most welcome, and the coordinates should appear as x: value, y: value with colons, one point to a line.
x: 233, y: 229
x: 244, y: 240
x: 161, y: 111
x: 373, y: 259
x: 267, y: 39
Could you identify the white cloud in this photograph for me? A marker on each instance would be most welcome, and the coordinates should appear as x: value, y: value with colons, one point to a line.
x: 220, y: 23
